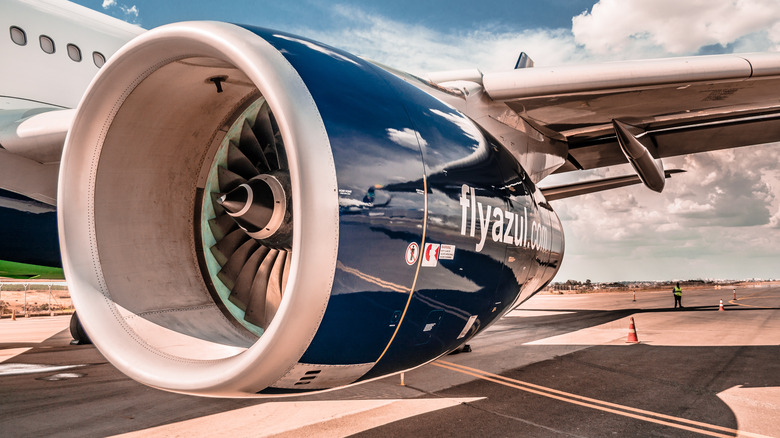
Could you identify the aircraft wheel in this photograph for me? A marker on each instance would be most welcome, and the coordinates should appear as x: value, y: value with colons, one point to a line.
x: 77, y: 332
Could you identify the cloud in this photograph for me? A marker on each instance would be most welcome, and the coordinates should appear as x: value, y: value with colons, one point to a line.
x: 122, y: 11
x: 466, y: 126
x: 725, y: 208
x: 419, y: 49
x: 733, y: 188
x: 318, y: 48
x: 407, y: 138
x: 678, y: 27
x: 612, y: 29
x: 721, y: 226
x: 131, y: 11
x: 622, y: 204
x: 689, y: 208
x: 774, y: 222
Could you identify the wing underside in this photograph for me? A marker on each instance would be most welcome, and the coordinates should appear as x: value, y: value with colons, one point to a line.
x: 678, y: 106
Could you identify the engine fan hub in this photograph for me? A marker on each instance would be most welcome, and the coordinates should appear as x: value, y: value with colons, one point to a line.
x: 258, y: 206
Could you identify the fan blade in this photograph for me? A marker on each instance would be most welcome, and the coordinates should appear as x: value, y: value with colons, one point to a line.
x: 273, y: 298
x: 232, y: 268
x: 267, y: 132
x: 286, y: 274
x: 228, y: 180
x: 227, y: 246
x: 276, y: 149
x: 243, y: 286
x: 238, y: 163
x: 263, y: 128
x: 281, y: 156
x: 222, y: 225
x: 251, y: 147
x: 255, y: 308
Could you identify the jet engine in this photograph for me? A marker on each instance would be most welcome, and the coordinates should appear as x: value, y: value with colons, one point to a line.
x: 245, y: 212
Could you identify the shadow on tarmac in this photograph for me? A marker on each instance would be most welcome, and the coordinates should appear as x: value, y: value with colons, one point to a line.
x: 677, y: 381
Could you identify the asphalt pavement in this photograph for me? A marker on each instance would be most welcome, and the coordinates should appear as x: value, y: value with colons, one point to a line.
x: 557, y: 366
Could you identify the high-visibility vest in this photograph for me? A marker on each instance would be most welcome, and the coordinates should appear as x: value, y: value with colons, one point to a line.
x: 677, y: 291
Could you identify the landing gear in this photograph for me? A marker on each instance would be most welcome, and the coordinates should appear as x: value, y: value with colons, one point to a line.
x: 465, y: 348
x: 77, y: 332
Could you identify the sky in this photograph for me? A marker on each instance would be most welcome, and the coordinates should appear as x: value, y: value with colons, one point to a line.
x: 719, y: 220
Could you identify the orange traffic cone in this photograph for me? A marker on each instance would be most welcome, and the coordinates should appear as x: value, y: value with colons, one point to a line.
x: 13, y: 315
x: 721, y: 309
x: 632, y: 332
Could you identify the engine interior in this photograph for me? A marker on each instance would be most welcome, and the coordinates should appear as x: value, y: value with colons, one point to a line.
x: 154, y: 159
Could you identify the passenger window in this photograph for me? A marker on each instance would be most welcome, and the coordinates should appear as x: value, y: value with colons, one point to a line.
x: 74, y: 52
x: 47, y: 44
x: 18, y: 36
x: 98, y: 59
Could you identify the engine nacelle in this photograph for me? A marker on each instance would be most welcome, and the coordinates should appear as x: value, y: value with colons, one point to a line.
x: 245, y: 212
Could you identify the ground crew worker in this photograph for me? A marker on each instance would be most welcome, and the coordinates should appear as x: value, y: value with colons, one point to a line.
x: 677, y: 295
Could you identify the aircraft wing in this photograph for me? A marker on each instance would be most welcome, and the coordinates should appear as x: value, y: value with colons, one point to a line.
x: 31, y: 139
x: 673, y: 106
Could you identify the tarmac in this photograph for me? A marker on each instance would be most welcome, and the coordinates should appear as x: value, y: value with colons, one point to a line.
x: 557, y: 366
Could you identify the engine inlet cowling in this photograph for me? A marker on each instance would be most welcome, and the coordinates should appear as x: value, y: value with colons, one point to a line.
x: 176, y: 292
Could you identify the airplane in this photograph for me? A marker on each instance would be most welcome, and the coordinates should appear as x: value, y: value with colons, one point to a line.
x: 243, y: 212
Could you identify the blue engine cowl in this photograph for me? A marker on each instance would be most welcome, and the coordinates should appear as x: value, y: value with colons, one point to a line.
x: 407, y: 229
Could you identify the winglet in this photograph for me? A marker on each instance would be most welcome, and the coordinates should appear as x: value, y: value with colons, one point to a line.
x: 524, y: 61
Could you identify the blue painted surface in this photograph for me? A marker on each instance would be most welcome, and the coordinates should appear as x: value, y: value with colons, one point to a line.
x: 386, y: 135
x: 29, y: 231
x: 369, y: 133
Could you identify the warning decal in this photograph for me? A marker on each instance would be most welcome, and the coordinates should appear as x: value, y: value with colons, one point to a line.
x: 431, y: 254
x: 447, y: 252
x: 412, y: 253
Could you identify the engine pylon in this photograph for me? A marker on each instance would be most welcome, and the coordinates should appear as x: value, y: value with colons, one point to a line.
x: 632, y: 332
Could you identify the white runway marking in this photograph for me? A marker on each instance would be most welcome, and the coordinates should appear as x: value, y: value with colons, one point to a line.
x: 13, y: 369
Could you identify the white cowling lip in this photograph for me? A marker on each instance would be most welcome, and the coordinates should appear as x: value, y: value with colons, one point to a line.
x: 315, y: 234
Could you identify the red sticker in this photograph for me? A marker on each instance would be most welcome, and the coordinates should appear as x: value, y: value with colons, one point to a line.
x: 431, y: 257
x: 412, y: 253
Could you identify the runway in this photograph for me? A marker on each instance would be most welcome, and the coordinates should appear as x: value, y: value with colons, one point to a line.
x: 557, y: 366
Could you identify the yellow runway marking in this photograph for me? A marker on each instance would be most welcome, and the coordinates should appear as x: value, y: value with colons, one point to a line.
x: 754, y: 297
x: 626, y: 411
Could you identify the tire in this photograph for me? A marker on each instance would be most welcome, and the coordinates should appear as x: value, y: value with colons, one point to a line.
x: 80, y: 337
